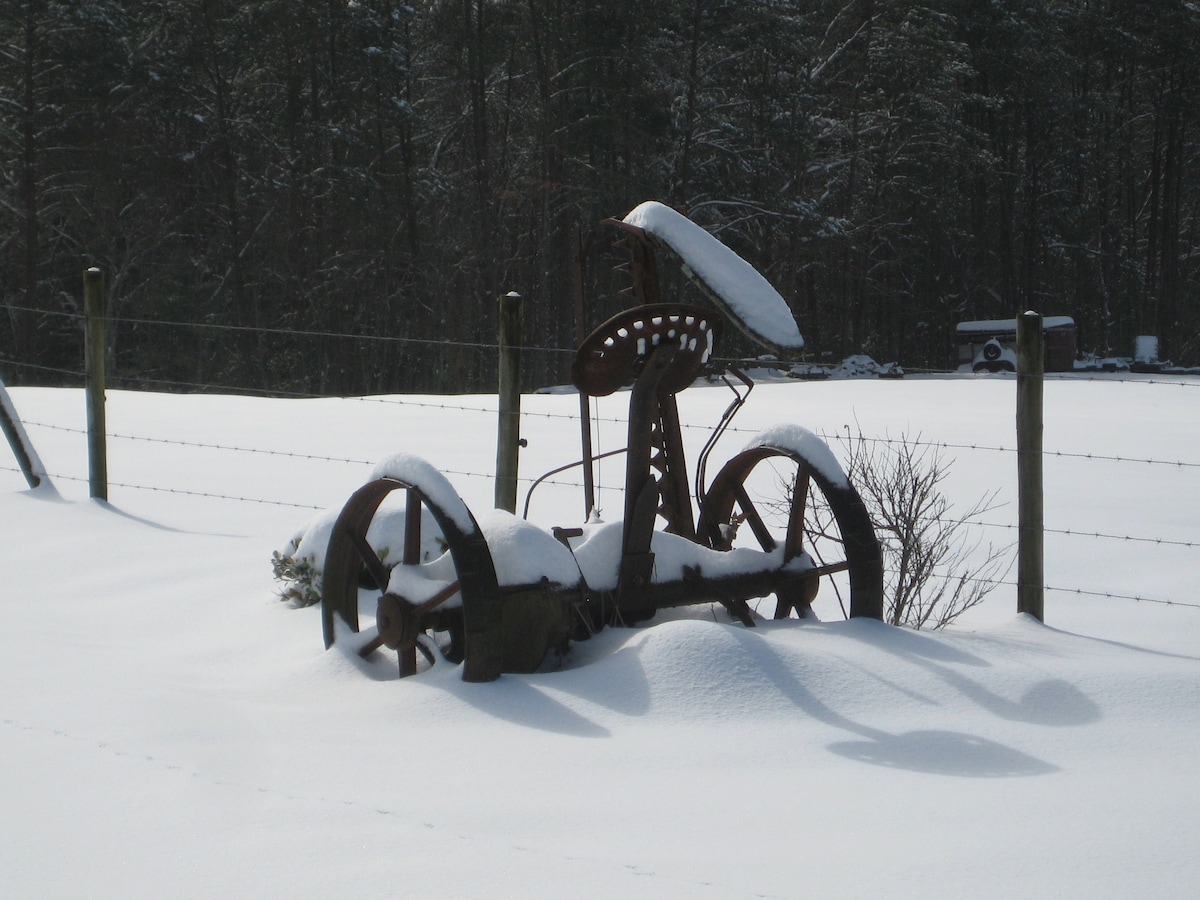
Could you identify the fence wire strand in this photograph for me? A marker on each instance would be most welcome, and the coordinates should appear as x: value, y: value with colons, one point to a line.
x: 291, y: 454
x: 1185, y: 378
x: 1166, y: 378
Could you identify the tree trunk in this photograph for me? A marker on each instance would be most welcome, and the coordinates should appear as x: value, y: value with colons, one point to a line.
x: 27, y: 318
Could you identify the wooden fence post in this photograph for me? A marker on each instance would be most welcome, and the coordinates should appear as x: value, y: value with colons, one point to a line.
x: 1030, y: 560
x: 10, y: 424
x: 508, y: 435
x: 93, y: 364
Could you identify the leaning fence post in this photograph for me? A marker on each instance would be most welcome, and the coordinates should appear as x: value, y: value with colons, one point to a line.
x: 509, y: 432
x: 1030, y: 560
x: 10, y: 424
x: 93, y: 364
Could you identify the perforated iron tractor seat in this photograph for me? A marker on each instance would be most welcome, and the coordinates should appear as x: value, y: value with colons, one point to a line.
x: 614, y: 354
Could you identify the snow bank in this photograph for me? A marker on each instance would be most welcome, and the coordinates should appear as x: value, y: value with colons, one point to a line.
x: 168, y: 722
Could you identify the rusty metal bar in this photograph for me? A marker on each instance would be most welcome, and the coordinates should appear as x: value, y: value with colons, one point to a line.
x: 585, y: 409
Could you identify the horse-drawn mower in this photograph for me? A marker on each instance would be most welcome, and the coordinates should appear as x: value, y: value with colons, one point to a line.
x: 498, y: 597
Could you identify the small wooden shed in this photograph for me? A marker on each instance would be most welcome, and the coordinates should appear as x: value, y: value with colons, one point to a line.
x: 973, y: 337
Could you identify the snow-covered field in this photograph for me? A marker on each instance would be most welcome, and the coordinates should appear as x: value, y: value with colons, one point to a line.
x: 170, y: 728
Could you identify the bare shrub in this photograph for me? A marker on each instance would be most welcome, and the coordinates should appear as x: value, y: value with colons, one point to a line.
x: 936, y: 566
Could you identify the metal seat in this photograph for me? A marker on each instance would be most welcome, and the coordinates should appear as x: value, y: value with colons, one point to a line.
x: 613, y: 355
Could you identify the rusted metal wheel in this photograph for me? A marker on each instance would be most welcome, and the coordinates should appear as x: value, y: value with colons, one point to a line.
x: 790, y: 494
x: 451, y: 591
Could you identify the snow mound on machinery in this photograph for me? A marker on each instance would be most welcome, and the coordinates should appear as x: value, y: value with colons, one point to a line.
x: 735, y: 286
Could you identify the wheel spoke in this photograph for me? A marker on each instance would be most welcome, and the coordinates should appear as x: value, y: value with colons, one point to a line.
x: 370, y: 646
x: 843, y: 566
x: 439, y: 598
x: 740, y: 610
x: 375, y: 567
x: 412, y: 529
x: 425, y: 649
x: 793, y: 544
x: 408, y: 660
x: 750, y: 511
x: 456, y: 651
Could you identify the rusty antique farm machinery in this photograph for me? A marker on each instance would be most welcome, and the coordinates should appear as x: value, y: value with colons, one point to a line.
x: 498, y: 596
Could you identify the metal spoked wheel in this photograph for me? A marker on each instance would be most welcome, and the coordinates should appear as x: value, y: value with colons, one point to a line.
x: 772, y: 495
x: 417, y: 595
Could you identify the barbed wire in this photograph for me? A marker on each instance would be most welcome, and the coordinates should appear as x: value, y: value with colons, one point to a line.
x: 1108, y: 595
x: 1103, y: 457
x: 57, y: 371
x: 291, y: 454
x: 180, y: 491
x: 1111, y: 596
x: 1004, y: 582
x: 1180, y: 380
x: 1183, y: 379
x: 828, y: 437
x: 297, y: 332
x: 210, y: 387
x: 207, y: 446
x: 399, y: 400
x: 1063, y: 454
x: 1074, y: 532
x: 257, y: 450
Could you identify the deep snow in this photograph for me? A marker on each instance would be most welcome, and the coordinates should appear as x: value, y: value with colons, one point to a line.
x: 170, y: 728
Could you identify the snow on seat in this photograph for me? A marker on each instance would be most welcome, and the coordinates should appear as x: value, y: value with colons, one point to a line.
x: 734, y: 285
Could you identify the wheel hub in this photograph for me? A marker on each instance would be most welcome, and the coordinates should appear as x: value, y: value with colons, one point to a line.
x: 397, y: 622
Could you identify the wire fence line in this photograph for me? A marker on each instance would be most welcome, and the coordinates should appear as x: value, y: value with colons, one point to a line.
x: 291, y: 454
x: 1075, y: 532
x: 179, y: 491
x: 783, y: 364
x: 576, y: 484
x: 205, y: 446
x: 1105, y: 595
x: 434, y: 402
x: 78, y: 316
x: 1062, y: 454
x: 526, y: 413
x: 828, y: 437
x: 261, y: 500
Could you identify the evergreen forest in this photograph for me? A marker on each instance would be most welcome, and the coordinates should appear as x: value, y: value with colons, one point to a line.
x: 319, y: 197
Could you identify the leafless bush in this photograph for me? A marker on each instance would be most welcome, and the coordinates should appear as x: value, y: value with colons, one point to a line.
x: 934, y: 569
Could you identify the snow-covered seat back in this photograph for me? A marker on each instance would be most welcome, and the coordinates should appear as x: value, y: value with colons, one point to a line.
x: 735, y: 286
